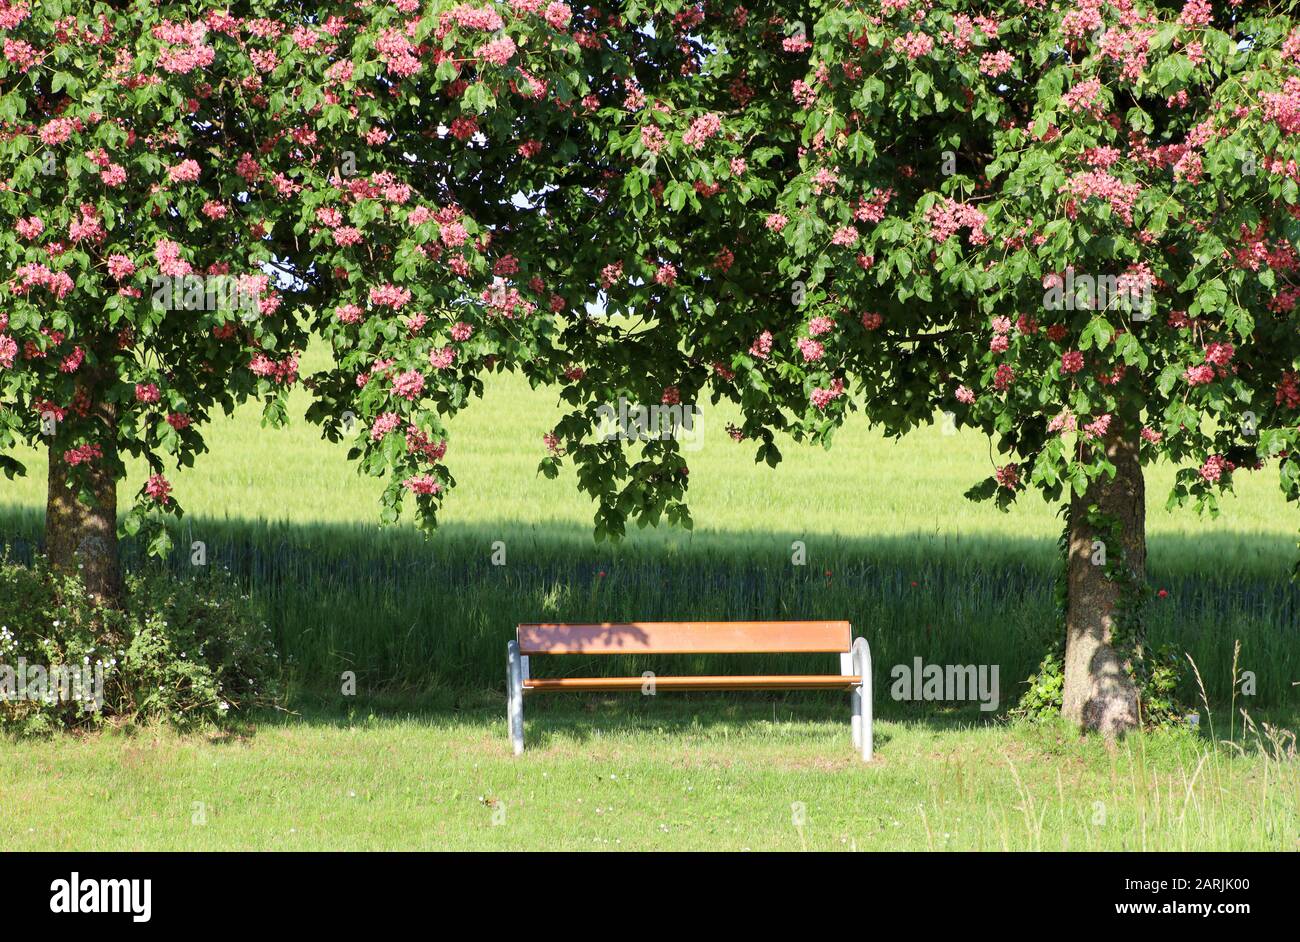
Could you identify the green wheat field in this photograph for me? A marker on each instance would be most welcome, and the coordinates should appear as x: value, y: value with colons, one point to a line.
x: 418, y: 758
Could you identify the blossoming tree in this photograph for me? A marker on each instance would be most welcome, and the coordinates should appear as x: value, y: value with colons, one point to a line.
x: 184, y: 204
x: 1070, y: 226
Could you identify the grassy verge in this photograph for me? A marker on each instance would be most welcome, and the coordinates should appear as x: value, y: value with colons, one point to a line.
x: 623, y: 773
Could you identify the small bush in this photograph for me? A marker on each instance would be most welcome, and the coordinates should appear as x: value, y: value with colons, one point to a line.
x: 185, y: 652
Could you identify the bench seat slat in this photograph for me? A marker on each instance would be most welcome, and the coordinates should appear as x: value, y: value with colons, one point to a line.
x: 703, y: 682
x: 732, y: 637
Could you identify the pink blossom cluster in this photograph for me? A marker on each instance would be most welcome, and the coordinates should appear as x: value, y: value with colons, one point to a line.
x: 949, y: 217
x: 158, y: 489
x: 284, y: 372
x: 821, y: 398
x: 83, y: 454
x: 498, y: 51
x: 408, y: 385
x: 872, y: 208
x: 701, y: 129
x: 845, y: 235
x: 170, y: 263
x: 1283, y: 108
x: 812, y: 350
x: 913, y: 45
x: 1096, y: 183
x: 422, y: 484
x: 186, y: 49
x: 1213, y: 468
x: 29, y: 228
x: 397, y: 53
x: 34, y: 274
x: 390, y: 295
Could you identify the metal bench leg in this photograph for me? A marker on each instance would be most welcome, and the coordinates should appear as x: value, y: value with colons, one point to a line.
x: 515, y: 697
x: 863, y: 734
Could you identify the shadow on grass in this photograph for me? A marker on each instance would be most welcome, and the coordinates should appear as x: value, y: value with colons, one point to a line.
x: 433, y: 616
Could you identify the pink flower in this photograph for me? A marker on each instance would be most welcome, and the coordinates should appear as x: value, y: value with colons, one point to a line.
x: 914, y: 45
x: 666, y: 275
x: 499, y: 51
x: 390, y: 296
x: 762, y: 346
x: 8, y: 351
x: 1199, y: 375
x: 1097, y: 427
x: 1213, y: 468
x: 701, y: 129
x: 453, y: 234
x: 872, y: 320
x: 996, y: 63
x: 1071, y: 361
x: 408, y: 385
x: 820, y: 325
x: 113, y: 175
x: 29, y: 228
x: 460, y: 331
x: 965, y: 395
x: 1196, y: 13
x: 1008, y: 476
x: 1220, y: 354
x: 776, y: 222
x: 812, y: 350
x: 441, y: 359
x: 158, y: 488
x: 422, y: 484
x: 384, y: 423
x: 119, y: 267
x: 845, y: 235
x: 83, y: 454
x: 147, y: 393
x: 558, y: 15
x: 948, y: 217
x: 821, y: 398
x: 652, y: 138
x: 187, y: 171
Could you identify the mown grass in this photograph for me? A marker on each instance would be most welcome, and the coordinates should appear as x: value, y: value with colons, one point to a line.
x: 631, y: 773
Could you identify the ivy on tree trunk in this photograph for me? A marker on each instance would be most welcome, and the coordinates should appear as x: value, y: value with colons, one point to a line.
x: 1106, y: 566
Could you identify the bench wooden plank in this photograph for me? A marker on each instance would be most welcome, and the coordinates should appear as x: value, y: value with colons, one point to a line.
x: 731, y: 637
x: 702, y: 682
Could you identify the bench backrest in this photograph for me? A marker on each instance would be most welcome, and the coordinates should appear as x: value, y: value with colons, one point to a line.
x: 687, y: 637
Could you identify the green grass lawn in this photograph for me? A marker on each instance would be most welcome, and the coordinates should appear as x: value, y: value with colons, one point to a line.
x: 623, y: 774
x: 891, y: 546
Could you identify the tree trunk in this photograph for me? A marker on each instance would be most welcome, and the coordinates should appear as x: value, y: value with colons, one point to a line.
x: 1099, y: 693
x: 81, y: 536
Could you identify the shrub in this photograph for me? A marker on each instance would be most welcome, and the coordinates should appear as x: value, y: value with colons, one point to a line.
x: 185, y: 652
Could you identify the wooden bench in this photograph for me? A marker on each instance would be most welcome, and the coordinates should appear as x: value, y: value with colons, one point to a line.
x: 728, y: 637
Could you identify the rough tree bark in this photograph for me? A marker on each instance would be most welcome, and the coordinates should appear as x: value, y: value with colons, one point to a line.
x: 85, y: 535
x: 1099, y: 693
